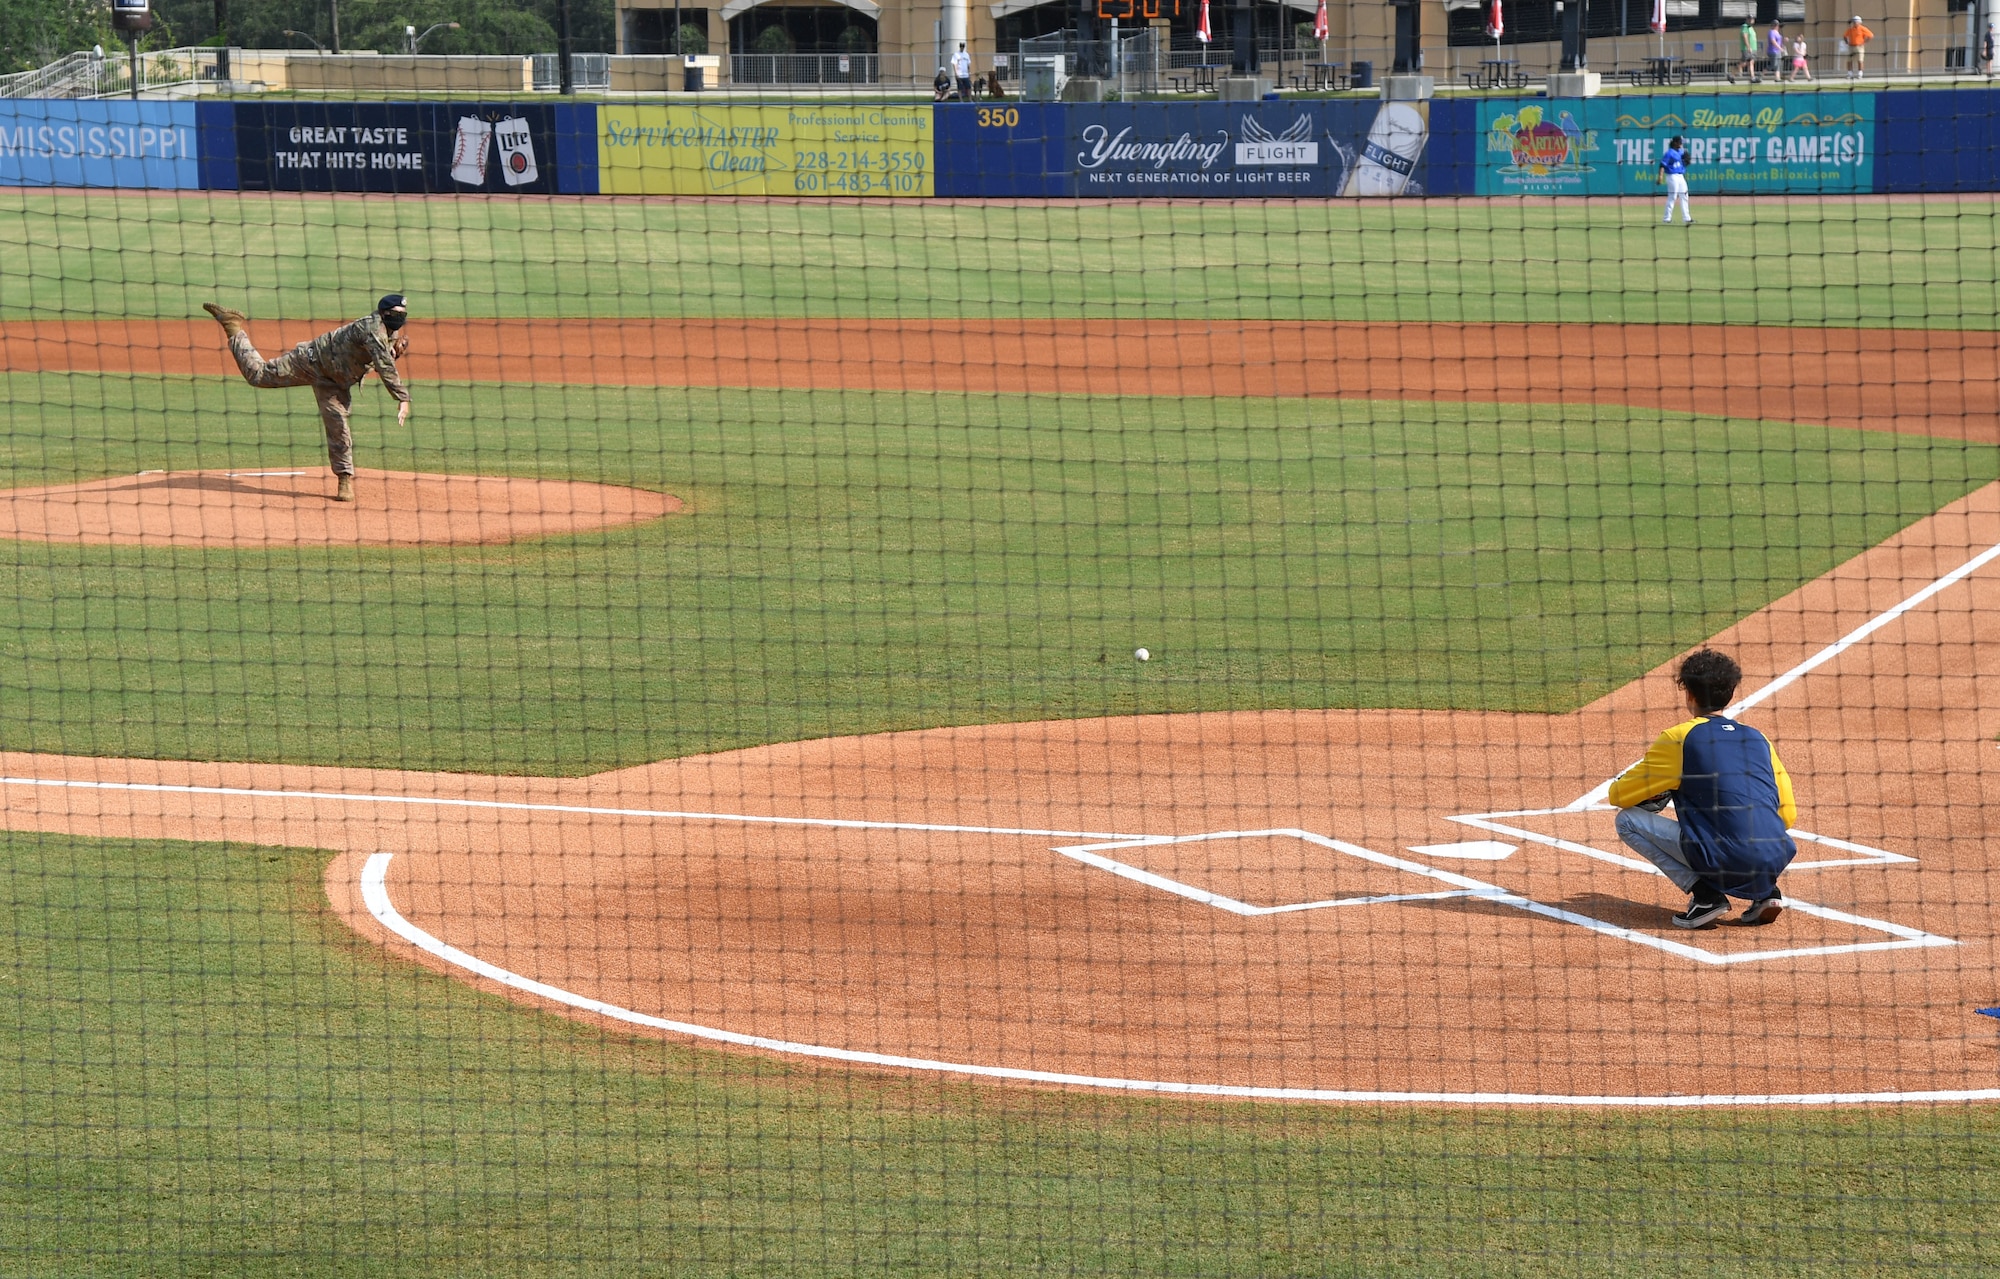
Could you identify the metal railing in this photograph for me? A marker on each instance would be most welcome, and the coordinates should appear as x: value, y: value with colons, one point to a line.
x: 1135, y: 66
x: 1938, y: 57
x: 73, y: 75
x: 589, y: 72
x: 89, y: 74
x: 805, y: 68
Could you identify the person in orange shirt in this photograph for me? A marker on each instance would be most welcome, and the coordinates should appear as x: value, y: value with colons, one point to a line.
x: 1857, y: 37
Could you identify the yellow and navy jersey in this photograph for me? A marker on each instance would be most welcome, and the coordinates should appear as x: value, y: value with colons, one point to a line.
x: 1732, y: 795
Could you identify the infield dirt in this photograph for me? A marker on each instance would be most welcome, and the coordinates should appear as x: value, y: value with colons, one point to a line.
x: 286, y: 509
x: 1917, y: 381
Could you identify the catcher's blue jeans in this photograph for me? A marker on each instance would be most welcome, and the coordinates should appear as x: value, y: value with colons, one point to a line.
x: 1658, y: 840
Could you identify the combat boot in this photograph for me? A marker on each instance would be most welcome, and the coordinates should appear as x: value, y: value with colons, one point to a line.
x: 232, y: 322
x: 344, y: 492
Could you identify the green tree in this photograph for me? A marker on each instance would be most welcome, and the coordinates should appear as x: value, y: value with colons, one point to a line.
x: 34, y: 33
x: 486, y: 26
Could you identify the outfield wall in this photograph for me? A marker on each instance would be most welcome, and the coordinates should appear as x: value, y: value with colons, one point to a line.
x: 1831, y: 141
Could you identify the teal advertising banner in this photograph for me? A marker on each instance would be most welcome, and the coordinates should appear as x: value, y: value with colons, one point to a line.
x: 1738, y: 142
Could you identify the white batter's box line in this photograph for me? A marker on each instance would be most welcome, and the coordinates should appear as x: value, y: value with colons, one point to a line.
x: 1464, y: 886
x: 1865, y: 855
x: 1092, y: 855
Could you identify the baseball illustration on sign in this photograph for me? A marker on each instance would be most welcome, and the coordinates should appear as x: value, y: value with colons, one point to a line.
x: 475, y: 138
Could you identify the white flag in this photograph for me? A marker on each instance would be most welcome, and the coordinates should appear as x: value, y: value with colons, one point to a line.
x: 517, y: 151
x: 468, y: 154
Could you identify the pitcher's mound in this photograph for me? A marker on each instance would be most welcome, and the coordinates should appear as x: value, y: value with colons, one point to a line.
x: 274, y: 508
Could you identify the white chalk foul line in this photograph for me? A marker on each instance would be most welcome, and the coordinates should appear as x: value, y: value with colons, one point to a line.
x: 375, y: 895
x: 523, y: 806
x: 1468, y: 886
x: 1597, y: 793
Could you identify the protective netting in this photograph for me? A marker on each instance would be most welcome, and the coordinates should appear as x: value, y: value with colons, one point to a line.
x: 949, y: 735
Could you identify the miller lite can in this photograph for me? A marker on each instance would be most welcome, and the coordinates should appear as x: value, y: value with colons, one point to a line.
x: 517, y: 151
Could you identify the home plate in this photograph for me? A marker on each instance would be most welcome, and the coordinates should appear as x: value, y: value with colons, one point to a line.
x: 1472, y: 850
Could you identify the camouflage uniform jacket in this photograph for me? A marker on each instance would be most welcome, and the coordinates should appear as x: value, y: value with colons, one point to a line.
x: 344, y: 356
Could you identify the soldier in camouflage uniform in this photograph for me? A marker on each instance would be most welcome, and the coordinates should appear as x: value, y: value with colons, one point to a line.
x: 331, y: 364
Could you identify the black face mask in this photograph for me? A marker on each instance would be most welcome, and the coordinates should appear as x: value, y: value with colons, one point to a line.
x: 393, y: 320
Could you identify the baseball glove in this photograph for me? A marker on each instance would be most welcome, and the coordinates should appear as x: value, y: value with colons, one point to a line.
x: 399, y: 348
x: 1657, y: 802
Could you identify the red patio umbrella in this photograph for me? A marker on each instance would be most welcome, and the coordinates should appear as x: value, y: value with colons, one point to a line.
x: 1201, y: 32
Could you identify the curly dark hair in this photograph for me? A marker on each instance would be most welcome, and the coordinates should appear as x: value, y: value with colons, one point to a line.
x: 1711, y: 676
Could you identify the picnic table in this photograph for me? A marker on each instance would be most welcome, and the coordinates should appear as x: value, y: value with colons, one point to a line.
x: 1662, y: 71
x: 1324, y: 75
x: 1497, y: 73
x: 1196, y: 79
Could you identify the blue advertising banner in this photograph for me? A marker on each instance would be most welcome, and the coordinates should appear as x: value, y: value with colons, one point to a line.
x: 1009, y: 149
x: 445, y: 147
x: 1938, y: 140
x: 1214, y: 149
x: 1739, y: 143
x: 59, y: 142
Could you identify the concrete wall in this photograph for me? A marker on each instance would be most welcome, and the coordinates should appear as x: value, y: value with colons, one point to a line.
x: 649, y: 73
x: 393, y: 73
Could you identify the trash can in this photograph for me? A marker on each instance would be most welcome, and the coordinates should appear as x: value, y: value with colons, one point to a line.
x: 1362, y: 76
x: 693, y: 80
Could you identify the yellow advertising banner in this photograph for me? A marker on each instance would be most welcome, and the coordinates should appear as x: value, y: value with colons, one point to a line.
x: 862, y: 149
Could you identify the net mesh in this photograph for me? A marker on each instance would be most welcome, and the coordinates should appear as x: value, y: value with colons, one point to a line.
x: 995, y: 735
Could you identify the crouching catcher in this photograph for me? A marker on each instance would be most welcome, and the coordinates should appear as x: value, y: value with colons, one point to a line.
x: 1731, y: 794
x: 332, y: 364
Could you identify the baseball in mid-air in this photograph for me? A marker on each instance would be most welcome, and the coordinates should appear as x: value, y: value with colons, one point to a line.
x: 1142, y: 654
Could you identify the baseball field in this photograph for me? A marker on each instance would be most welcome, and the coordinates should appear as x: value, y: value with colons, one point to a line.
x: 702, y: 809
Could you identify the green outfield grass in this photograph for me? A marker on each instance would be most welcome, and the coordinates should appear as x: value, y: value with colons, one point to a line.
x: 855, y: 562
x: 1842, y: 262
x: 210, y: 1068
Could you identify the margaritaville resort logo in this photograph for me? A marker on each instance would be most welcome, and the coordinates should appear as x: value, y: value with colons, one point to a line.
x: 1538, y: 146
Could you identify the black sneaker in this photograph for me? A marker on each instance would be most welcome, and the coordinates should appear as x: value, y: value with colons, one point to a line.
x: 1702, y: 911
x: 1762, y: 912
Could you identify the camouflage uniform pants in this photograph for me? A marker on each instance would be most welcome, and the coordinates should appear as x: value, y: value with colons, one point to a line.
x: 291, y: 369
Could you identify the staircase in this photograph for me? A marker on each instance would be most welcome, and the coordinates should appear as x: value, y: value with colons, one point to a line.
x: 88, y: 74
